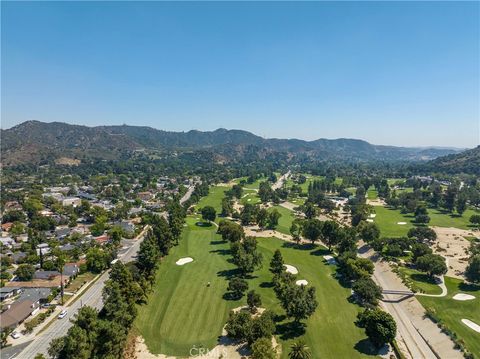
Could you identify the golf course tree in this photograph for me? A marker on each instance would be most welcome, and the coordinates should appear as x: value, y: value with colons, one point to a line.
x: 299, y: 350
x: 309, y: 210
x: 472, y: 272
x: 208, y: 213
x: 265, y: 192
x: 230, y: 231
x: 475, y: 220
x: 461, y: 203
x: 312, y: 229
x: 330, y: 233
x: 176, y: 219
x: 242, y: 327
x: 432, y: 264
x: 421, y: 215
x: 272, y: 219
x: 380, y: 326
x: 276, y: 264
x: 245, y: 255
x: 262, y: 349
x: 248, y: 214
x: 422, y: 233
x: 227, y: 207
x: 148, y: 257
x: 367, y: 292
x: 298, y: 301
x: 237, y: 288
x: 369, y: 232
x: 419, y: 250
x: 254, y: 301
x: 353, y: 267
x: 296, y: 230
x: 262, y: 217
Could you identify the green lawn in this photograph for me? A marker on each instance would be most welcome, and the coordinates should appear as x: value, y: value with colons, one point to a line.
x: 420, y: 282
x: 451, y: 311
x: 182, y: 311
x: 372, y: 193
x: 214, y: 198
x: 250, y: 197
x: 387, y: 219
x: 285, y: 221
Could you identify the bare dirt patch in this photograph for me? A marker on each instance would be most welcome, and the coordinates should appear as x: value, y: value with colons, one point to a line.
x: 451, y: 243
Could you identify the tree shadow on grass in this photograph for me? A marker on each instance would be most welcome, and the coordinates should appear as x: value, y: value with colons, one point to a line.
x: 301, y: 246
x: 214, y: 243
x: 222, y: 252
x: 231, y: 296
x: 290, y: 330
x: 465, y: 287
x: 320, y: 252
x: 424, y: 278
x: 366, y: 347
x: 229, y: 273
x: 266, y: 285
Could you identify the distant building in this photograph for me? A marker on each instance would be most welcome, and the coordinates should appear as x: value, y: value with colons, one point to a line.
x: 7, y: 226
x: 71, y: 201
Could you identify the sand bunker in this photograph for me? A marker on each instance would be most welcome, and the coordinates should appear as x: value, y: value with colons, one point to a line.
x: 369, y: 220
x: 471, y: 325
x: 301, y: 282
x: 401, y: 223
x: 290, y: 269
x: 463, y: 296
x: 330, y: 259
x: 373, y: 215
x: 183, y: 261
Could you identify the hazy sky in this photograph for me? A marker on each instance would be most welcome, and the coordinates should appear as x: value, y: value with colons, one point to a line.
x: 390, y: 73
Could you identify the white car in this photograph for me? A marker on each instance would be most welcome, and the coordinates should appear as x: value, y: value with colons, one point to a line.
x: 62, y: 314
x: 15, y: 335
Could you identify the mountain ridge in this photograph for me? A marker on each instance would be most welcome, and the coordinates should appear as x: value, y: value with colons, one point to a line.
x: 35, y: 141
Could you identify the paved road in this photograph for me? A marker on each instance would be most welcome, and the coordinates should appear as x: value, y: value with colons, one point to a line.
x: 280, y: 181
x: 187, y: 195
x: 91, y: 297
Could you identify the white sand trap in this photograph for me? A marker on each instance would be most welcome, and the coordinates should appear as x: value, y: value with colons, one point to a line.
x: 330, y: 259
x: 301, y: 282
x: 290, y: 269
x: 183, y: 261
x: 248, y: 200
x: 373, y: 215
x: 471, y: 325
x: 463, y: 296
x: 401, y: 223
x: 369, y: 220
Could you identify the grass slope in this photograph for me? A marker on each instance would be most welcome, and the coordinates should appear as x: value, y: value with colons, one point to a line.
x: 451, y: 311
x: 214, y: 198
x: 285, y: 221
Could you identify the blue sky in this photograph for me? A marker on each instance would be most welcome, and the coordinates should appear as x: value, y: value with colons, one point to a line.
x: 390, y: 73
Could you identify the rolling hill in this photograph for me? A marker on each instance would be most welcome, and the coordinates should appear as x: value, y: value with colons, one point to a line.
x: 35, y: 142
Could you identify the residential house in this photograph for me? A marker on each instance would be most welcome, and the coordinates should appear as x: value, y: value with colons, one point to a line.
x: 9, y: 292
x: 7, y: 226
x: 43, y: 248
x: 17, y: 312
x: 7, y: 242
x: 12, y: 206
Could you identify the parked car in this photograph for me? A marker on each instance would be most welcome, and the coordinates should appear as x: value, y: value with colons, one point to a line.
x: 62, y: 314
x: 15, y: 335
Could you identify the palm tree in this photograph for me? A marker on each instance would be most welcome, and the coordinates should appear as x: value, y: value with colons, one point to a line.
x: 299, y: 350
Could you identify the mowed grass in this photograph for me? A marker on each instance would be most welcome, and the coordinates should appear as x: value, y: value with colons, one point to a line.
x: 420, y: 282
x: 214, y: 198
x: 285, y: 221
x: 451, y: 311
x: 388, y: 218
x: 372, y: 193
x: 182, y: 311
